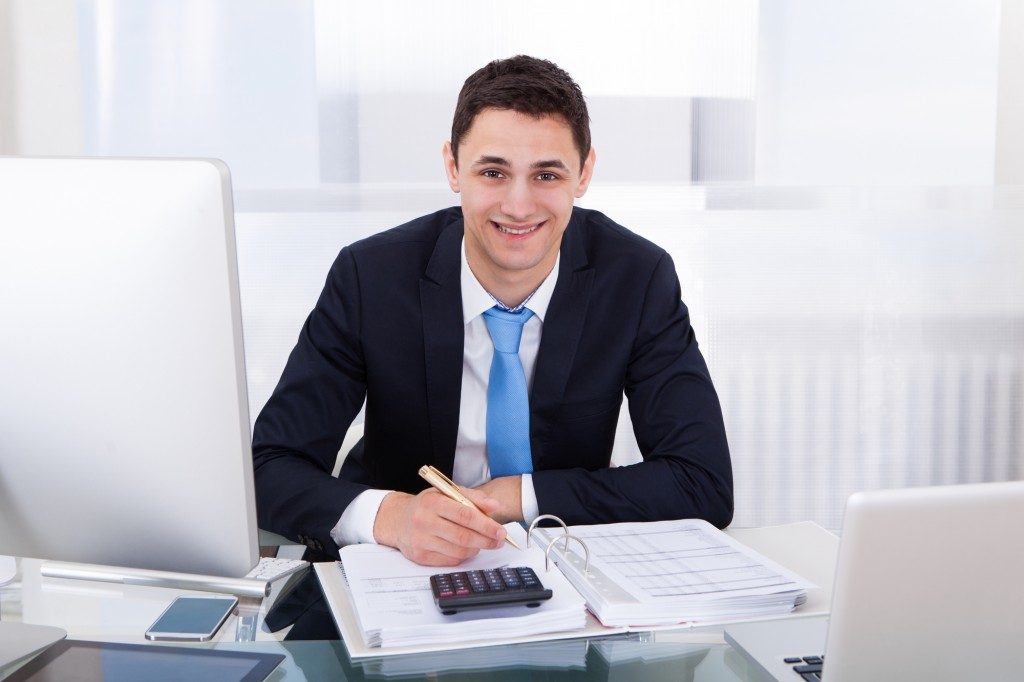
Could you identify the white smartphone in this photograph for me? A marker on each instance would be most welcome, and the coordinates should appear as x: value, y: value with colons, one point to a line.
x: 192, y: 618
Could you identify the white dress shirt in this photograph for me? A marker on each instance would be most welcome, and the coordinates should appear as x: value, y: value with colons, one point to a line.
x: 471, y: 468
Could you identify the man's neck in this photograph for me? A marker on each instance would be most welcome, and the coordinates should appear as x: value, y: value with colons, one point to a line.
x: 510, y: 291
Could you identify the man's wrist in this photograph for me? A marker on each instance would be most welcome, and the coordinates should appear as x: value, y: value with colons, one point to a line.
x: 507, y: 492
x: 356, y: 523
x: 385, y: 524
x: 528, y: 499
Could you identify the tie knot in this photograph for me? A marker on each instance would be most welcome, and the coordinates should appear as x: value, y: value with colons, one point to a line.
x: 505, y: 328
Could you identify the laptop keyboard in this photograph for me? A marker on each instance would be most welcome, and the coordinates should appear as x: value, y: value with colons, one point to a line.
x: 807, y: 667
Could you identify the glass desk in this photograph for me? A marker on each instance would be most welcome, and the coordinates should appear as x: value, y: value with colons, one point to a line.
x: 122, y: 613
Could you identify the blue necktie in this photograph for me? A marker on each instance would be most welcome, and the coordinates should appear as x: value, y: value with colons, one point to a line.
x: 508, y: 405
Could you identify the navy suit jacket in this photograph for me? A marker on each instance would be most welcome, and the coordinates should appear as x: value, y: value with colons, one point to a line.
x: 389, y: 327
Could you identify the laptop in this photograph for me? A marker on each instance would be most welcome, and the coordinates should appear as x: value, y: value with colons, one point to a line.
x: 929, y: 586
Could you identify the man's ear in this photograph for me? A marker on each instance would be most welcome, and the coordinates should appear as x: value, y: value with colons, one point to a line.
x: 450, y: 169
x: 585, y: 174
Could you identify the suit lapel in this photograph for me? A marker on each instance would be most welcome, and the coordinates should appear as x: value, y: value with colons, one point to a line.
x: 443, y: 341
x: 563, y: 326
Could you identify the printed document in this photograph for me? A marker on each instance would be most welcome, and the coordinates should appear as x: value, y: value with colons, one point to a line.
x: 395, y: 607
x: 673, y: 571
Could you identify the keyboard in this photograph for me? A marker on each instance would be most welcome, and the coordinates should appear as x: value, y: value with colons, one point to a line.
x: 274, y: 568
x: 807, y: 667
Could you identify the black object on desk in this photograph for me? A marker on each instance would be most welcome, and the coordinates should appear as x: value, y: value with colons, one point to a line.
x: 454, y: 592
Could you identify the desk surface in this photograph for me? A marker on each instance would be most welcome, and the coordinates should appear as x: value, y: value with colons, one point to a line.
x: 121, y: 613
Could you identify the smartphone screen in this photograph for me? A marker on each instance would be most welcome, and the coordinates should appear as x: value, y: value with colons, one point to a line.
x: 192, y: 618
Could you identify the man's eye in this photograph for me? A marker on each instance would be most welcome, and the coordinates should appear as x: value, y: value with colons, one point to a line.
x: 547, y: 177
x: 492, y: 174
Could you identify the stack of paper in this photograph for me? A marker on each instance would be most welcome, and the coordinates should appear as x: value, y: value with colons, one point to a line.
x: 649, y: 574
x: 395, y: 607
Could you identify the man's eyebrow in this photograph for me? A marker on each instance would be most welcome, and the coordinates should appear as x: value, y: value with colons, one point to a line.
x: 492, y: 161
x: 553, y: 163
x: 536, y: 165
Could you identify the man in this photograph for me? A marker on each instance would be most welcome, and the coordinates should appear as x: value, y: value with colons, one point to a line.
x: 494, y: 342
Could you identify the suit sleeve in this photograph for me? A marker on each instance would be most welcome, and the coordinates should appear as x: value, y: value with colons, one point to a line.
x: 299, y: 431
x: 677, y: 419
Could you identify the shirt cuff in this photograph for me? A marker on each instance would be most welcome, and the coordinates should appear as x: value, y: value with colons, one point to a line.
x: 528, y: 498
x: 356, y: 523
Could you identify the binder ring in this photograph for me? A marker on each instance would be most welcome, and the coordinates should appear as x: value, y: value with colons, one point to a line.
x: 551, y: 517
x: 568, y: 536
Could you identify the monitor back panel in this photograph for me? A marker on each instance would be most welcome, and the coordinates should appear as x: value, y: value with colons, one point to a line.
x: 124, y: 426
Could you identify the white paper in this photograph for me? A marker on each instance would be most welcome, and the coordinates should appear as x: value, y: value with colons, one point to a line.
x: 394, y: 604
x: 674, y: 571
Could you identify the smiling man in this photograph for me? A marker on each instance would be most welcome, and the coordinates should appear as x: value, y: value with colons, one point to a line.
x: 495, y: 341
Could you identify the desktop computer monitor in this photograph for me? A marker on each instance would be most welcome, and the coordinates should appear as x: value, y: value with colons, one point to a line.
x: 124, y: 422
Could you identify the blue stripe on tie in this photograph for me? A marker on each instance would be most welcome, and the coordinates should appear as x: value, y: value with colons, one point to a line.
x: 508, y: 404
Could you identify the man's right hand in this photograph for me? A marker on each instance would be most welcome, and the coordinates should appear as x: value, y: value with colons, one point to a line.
x: 434, y: 530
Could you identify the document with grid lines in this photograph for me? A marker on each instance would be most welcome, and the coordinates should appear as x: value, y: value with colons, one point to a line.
x: 642, y: 576
x: 672, y: 572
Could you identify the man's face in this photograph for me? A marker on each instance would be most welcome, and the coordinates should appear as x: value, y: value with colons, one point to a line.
x: 518, y: 177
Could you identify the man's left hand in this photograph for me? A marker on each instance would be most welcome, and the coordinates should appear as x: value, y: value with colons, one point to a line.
x: 508, y: 491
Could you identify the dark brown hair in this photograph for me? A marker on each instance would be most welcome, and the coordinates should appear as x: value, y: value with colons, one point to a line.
x: 527, y: 85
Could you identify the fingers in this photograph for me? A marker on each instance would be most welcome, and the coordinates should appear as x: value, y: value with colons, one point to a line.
x: 460, y: 525
x: 434, y: 530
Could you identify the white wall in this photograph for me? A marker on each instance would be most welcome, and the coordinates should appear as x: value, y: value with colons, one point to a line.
x: 1009, y: 164
x: 40, y: 78
x: 877, y: 92
x: 858, y: 336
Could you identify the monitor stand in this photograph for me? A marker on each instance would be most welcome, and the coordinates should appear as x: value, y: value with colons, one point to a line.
x: 8, y: 569
x: 243, y: 587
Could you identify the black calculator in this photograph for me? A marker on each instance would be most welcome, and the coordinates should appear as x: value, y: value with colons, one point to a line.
x: 454, y: 592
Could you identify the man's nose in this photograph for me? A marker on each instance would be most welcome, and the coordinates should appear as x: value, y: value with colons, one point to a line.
x: 518, y: 202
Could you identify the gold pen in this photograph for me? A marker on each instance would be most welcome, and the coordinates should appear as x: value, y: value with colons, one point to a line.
x: 447, y: 487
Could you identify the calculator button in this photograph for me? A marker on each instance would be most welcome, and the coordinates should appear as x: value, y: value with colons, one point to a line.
x: 454, y: 592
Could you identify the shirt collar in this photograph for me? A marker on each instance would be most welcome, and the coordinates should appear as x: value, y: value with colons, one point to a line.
x: 475, y: 299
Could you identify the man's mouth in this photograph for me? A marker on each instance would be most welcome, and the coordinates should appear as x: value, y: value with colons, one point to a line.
x: 516, y: 230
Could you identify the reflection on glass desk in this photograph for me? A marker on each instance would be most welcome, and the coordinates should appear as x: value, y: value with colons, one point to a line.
x: 121, y: 613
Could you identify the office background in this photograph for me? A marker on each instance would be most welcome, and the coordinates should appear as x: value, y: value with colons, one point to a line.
x: 838, y: 183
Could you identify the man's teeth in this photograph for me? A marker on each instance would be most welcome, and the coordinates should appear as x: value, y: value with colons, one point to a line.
x: 509, y: 230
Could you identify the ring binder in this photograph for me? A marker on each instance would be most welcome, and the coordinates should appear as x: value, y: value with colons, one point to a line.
x: 630, y: 576
x: 568, y: 536
x: 546, y: 517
